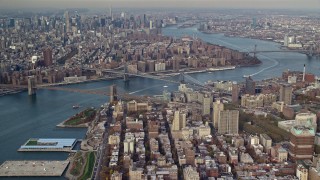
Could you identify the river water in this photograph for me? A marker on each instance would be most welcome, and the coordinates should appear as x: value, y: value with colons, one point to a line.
x: 23, y: 117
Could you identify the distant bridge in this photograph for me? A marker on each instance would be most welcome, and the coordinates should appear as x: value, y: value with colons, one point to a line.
x: 183, y: 78
x: 255, y: 51
x: 104, y: 92
x: 125, y: 72
x: 270, y: 51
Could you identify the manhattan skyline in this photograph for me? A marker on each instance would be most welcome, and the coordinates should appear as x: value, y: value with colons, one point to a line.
x: 240, y: 4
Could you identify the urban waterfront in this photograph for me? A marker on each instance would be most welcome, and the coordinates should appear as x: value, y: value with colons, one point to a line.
x: 273, y: 63
x: 25, y: 117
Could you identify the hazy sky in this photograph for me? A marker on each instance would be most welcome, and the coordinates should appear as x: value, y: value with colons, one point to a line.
x: 283, y: 4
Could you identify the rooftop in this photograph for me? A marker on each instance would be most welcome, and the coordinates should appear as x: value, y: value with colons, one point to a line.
x: 33, y: 168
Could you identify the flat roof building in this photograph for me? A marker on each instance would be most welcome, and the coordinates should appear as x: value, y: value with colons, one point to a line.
x: 48, y: 145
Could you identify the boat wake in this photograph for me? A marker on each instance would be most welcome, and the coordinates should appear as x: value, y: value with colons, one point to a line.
x: 269, y: 67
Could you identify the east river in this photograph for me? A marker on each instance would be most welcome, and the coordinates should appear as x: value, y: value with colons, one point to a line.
x: 23, y: 117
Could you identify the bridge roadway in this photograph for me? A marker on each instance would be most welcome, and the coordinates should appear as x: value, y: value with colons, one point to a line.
x: 300, y: 51
x: 144, y: 75
x: 195, y: 82
x: 122, y: 95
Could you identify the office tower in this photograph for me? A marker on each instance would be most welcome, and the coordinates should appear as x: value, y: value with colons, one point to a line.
x: 235, y: 92
x: 286, y: 93
x: 12, y: 22
x: 113, y: 93
x: 250, y: 86
x: 47, y: 55
x: 217, y: 107
x: 67, y: 21
x: 102, y: 22
x: 110, y: 13
x: 301, y: 142
x: 228, y: 122
x: 179, y: 120
x: 144, y: 19
x: 206, y: 104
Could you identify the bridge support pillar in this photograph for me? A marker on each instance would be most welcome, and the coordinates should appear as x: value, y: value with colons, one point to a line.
x: 32, y: 88
x: 125, y: 77
x: 255, y: 51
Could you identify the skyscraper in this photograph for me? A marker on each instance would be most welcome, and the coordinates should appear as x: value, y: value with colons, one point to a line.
x: 228, y: 122
x: 67, y: 21
x: 250, y: 86
x: 47, y: 55
x: 110, y: 13
x: 217, y: 107
x: 144, y: 19
x: 286, y: 93
x: 235, y: 92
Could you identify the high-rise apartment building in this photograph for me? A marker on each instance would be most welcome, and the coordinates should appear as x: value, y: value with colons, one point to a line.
x: 206, y: 104
x: 286, y: 93
x: 217, y: 107
x: 113, y: 93
x: 175, y: 64
x: 301, y: 142
x: 228, y: 122
x: 47, y: 56
x: 235, y: 92
x: 179, y: 120
x: 250, y: 86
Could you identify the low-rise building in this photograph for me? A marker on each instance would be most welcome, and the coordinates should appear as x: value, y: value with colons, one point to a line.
x: 190, y: 173
x: 302, y: 172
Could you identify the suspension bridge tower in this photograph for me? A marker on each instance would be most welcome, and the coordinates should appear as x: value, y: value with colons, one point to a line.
x: 255, y: 51
x: 32, y: 87
x: 125, y: 72
x: 181, y: 78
